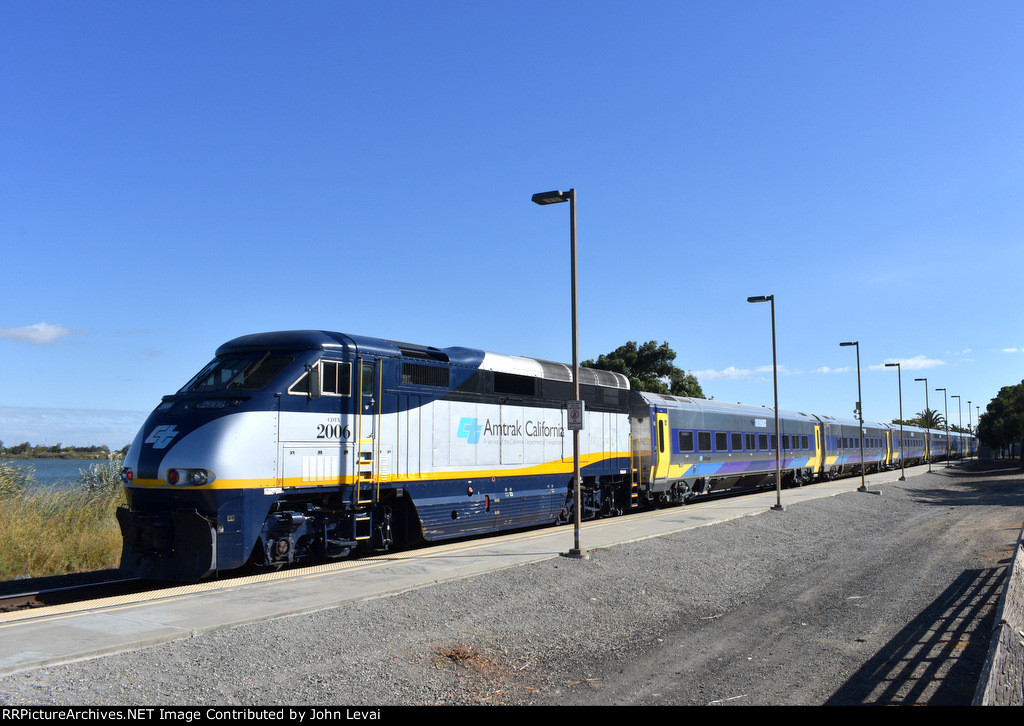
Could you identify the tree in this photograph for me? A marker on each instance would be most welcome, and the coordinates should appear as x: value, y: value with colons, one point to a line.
x: 927, y: 419
x: 930, y: 419
x: 650, y: 368
x: 1002, y: 424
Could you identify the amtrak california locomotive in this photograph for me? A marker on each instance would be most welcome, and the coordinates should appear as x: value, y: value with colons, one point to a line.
x: 309, y: 445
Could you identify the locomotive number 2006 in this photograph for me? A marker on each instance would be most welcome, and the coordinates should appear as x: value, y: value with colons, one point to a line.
x: 332, y: 431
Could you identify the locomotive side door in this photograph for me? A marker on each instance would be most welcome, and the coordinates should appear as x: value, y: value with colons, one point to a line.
x: 367, y: 375
x: 366, y: 421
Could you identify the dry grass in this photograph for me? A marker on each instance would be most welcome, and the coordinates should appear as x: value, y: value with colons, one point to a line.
x: 48, y: 531
x: 461, y: 654
x: 482, y: 676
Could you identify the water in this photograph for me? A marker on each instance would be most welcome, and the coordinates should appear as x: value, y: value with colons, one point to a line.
x: 59, y: 472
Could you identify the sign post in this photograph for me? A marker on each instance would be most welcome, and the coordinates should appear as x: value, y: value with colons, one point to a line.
x: 574, y: 414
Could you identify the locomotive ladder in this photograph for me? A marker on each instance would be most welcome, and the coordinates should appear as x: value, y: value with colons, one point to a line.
x: 364, y: 491
x: 634, y: 473
x: 367, y: 481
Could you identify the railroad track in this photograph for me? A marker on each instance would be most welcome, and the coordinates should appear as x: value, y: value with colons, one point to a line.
x: 74, y: 593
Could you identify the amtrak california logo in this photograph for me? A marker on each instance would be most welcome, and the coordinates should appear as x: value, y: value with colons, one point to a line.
x: 162, y: 436
x: 470, y: 430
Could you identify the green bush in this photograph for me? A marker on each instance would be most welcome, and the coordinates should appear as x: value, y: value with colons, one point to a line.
x: 59, y: 530
x: 103, y: 477
x: 15, y: 479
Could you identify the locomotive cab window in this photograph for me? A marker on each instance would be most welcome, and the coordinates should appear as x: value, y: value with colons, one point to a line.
x: 245, y: 371
x: 260, y: 374
x: 218, y: 374
x: 333, y: 379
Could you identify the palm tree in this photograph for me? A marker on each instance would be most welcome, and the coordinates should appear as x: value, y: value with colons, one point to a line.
x: 929, y: 419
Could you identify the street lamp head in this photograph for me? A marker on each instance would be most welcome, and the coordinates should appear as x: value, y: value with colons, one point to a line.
x: 854, y: 342
x: 760, y: 298
x: 940, y: 389
x: 921, y: 379
x: 892, y: 365
x: 551, y: 197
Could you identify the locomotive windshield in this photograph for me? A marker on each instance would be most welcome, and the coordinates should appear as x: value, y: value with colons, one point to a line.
x: 238, y: 372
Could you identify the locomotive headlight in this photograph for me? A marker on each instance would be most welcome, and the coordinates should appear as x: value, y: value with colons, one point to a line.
x: 188, y: 477
x: 126, y: 474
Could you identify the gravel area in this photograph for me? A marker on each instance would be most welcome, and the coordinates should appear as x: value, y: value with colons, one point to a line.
x: 883, y: 597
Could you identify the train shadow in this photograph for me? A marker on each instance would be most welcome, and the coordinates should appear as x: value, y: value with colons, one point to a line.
x: 991, y: 483
x: 937, y: 658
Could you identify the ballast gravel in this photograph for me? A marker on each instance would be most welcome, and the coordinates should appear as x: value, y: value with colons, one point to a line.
x: 882, y: 597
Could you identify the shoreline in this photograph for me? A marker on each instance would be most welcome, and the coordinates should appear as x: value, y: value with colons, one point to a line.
x: 53, y: 458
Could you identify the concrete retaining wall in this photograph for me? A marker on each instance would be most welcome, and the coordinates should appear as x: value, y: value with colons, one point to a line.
x: 1002, y: 679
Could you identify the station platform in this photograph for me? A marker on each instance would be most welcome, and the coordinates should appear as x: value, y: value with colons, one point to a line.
x: 65, y: 633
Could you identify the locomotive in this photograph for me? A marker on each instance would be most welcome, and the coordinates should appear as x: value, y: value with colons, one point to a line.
x: 300, y: 446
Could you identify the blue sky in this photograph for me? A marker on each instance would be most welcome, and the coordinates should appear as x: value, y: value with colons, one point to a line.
x: 178, y: 174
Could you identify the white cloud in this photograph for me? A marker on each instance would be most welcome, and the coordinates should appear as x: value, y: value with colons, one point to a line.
x: 732, y: 373
x: 38, y: 334
x: 917, y: 363
x: 1010, y: 350
x: 826, y: 369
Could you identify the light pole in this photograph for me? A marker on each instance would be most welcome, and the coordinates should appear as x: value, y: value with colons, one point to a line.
x: 945, y: 403
x: 969, y: 434
x: 899, y: 381
x: 775, y: 381
x: 960, y: 423
x: 557, y: 197
x: 927, y: 431
x: 860, y: 417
